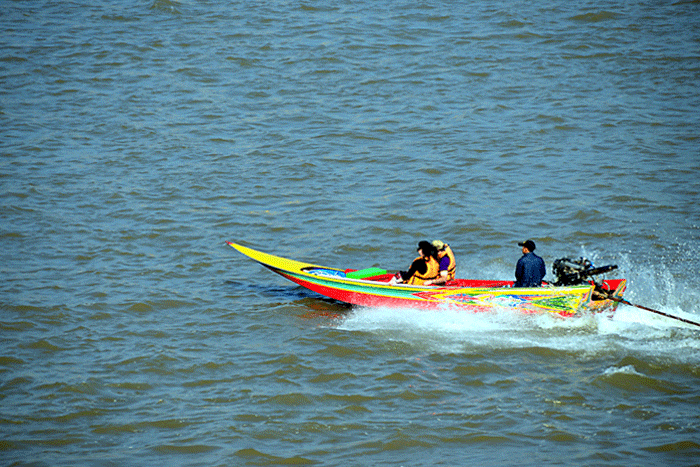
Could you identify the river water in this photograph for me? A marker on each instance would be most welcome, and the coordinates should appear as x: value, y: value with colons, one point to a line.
x: 137, y: 138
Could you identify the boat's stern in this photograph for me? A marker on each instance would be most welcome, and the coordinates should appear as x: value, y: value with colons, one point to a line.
x: 615, y: 288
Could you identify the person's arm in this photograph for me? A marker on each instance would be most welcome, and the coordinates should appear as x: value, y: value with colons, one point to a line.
x: 518, y: 272
x: 543, y: 269
x: 439, y: 280
x: 417, y: 266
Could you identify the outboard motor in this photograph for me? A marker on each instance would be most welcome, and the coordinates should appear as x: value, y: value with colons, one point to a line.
x: 577, y: 271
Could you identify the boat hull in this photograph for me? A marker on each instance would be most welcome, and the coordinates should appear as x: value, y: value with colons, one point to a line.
x: 472, y: 295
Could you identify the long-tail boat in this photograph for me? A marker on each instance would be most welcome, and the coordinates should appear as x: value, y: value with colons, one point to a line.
x: 576, y: 290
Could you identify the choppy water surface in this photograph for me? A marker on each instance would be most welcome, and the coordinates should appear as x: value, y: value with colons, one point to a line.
x: 137, y: 139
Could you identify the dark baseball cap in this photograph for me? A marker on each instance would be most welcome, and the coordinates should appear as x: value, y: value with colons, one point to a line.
x: 529, y: 244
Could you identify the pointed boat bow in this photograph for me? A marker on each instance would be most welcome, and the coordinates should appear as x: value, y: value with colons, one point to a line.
x: 275, y: 263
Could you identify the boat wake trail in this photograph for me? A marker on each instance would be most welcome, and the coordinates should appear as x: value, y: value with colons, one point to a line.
x: 627, y: 332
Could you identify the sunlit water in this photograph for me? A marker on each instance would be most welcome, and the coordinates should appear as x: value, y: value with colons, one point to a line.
x: 137, y: 138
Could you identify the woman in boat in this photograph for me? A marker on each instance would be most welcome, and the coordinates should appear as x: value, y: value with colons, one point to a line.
x: 424, y: 268
x: 448, y: 264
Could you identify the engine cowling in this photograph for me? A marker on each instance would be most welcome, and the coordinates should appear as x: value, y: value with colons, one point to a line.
x: 577, y: 271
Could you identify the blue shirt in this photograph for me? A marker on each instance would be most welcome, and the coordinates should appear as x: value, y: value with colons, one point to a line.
x: 529, y: 271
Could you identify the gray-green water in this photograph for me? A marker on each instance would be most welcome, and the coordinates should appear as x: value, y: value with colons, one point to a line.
x: 136, y: 138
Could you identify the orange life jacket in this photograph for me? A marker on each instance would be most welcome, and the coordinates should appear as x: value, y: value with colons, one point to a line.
x: 452, y: 268
x: 431, y: 273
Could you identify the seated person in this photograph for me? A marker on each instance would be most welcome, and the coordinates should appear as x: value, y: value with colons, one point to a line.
x: 424, y: 268
x: 530, y: 269
x: 448, y: 264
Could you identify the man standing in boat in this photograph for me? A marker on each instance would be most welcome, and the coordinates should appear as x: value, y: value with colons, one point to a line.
x: 448, y: 264
x: 530, y: 269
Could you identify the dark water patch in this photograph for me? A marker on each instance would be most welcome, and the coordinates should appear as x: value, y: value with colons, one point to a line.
x: 340, y: 351
x: 50, y: 390
x: 80, y: 416
x: 686, y: 448
x: 289, y: 400
x: 54, y: 439
x: 131, y: 386
x: 255, y: 457
x: 208, y: 382
x: 185, y: 449
x: 10, y: 362
x: 166, y: 424
x: 353, y: 410
x: 629, y: 380
x: 42, y: 345
x: 332, y: 378
x: 18, y: 383
x: 18, y: 326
